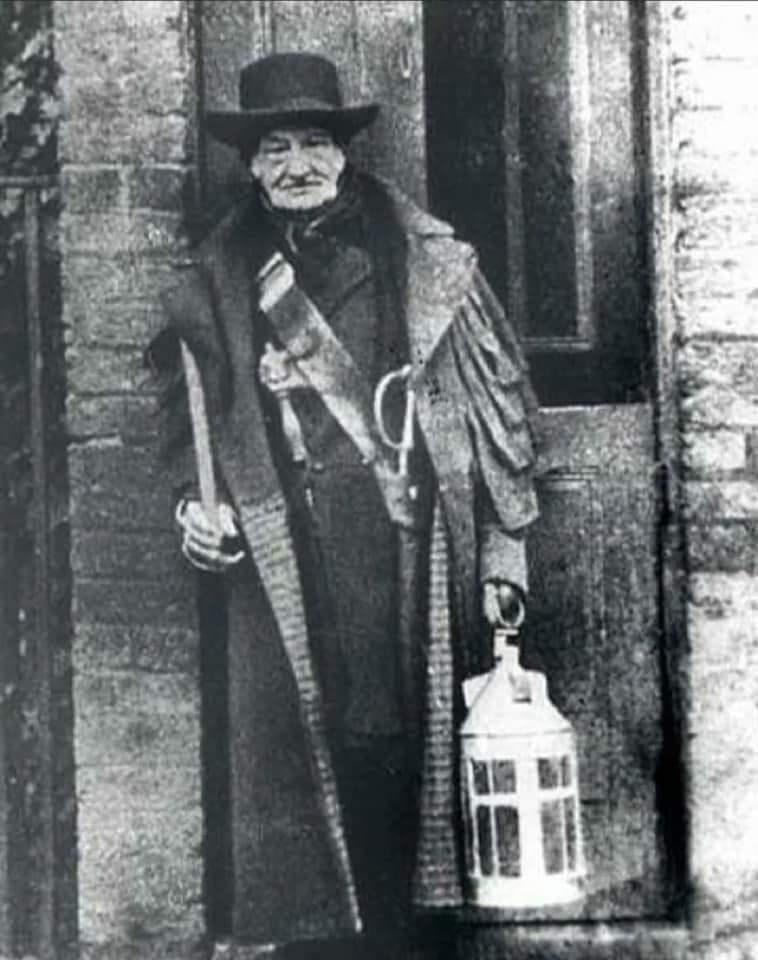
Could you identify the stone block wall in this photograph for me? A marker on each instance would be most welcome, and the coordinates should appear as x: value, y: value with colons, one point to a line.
x: 127, y: 89
x: 714, y: 151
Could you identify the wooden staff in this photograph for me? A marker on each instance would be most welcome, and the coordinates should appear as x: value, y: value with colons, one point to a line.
x: 201, y: 435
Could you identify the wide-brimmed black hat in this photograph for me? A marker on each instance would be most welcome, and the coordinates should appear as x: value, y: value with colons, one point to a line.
x: 288, y: 89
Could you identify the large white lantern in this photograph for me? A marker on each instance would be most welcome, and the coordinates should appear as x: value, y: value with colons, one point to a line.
x: 520, y: 790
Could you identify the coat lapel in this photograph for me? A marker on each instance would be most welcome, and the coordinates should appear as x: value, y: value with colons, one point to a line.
x: 251, y: 477
x: 439, y: 272
x: 267, y: 531
x: 440, y: 275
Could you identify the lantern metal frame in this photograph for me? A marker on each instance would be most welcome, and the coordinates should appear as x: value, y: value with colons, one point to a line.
x: 518, y: 754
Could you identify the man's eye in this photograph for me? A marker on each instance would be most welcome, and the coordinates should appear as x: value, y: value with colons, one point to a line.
x: 274, y: 147
x: 317, y: 142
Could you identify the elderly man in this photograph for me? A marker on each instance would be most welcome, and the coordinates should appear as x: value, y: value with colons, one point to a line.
x: 365, y: 537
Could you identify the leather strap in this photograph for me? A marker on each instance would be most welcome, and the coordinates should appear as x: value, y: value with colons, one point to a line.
x: 317, y: 357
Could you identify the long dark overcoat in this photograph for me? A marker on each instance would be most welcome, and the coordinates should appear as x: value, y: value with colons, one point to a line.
x: 292, y: 872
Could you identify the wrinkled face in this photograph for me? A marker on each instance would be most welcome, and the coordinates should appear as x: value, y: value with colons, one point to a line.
x: 298, y: 168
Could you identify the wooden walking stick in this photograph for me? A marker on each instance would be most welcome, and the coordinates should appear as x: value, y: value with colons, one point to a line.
x: 200, y: 435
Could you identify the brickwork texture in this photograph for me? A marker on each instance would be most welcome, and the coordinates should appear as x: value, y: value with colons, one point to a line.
x: 127, y: 90
x: 714, y: 148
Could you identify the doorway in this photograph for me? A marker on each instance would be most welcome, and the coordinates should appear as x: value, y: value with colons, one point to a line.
x: 522, y: 123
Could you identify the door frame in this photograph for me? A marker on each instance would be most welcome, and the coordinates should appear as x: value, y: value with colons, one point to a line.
x: 657, y: 191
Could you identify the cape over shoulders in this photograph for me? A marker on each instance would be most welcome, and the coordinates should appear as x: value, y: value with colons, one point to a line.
x: 237, y: 223
x: 441, y: 268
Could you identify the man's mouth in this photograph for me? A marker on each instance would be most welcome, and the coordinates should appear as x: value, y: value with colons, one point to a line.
x: 301, y: 186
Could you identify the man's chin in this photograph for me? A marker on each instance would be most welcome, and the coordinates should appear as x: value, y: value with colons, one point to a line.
x: 301, y: 199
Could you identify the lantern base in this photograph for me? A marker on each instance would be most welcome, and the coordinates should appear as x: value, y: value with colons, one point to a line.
x: 518, y: 893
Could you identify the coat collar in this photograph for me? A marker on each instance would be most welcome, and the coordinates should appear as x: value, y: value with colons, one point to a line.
x: 440, y: 272
x: 439, y: 268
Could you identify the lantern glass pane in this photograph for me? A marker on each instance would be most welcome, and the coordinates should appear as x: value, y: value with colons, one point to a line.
x: 484, y: 837
x: 469, y: 838
x: 565, y: 771
x: 481, y: 774
x: 569, y: 813
x: 508, y: 850
x: 549, y: 772
x: 552, y: 836
x: 504, y: 776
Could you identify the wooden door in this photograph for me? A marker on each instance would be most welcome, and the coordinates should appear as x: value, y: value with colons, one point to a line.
x: 517, y: 121
x: 535, y: 154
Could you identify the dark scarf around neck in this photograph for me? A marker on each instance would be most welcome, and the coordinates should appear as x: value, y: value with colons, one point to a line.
x: 362, y: 215
x: 311, y: 233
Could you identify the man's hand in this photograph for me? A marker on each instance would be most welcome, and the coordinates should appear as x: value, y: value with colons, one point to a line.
x: 502, y: 604
x: 203, y: 536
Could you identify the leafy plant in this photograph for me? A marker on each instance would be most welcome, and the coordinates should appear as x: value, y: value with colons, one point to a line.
x: 29, y: 105
x: 29, y: 111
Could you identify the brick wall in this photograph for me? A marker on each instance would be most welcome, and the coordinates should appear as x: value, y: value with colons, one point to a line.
x: 714, y: 52
x: 127, y: 88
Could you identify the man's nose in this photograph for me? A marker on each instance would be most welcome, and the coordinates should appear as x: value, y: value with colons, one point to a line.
x: 298, y: 161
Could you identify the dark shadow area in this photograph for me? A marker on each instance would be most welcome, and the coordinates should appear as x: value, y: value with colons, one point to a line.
x: 38, y: 887
x: 215, y: 733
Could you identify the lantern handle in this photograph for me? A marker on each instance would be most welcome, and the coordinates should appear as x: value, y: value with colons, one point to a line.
x: 512, y: 624
x: 503, y: 633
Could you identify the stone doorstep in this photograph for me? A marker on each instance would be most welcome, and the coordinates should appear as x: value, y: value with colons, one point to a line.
x: 506, y: 941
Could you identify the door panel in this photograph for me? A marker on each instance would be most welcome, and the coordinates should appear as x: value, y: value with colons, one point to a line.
x: 534, y: 155
x: 232, y: 34
x: 593, y: 630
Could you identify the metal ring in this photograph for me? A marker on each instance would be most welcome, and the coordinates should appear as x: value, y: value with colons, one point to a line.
x: 518, y: 620
x: 381, y: 389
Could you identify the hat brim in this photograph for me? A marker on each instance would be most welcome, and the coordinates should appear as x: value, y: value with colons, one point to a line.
x: 243, y: 128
